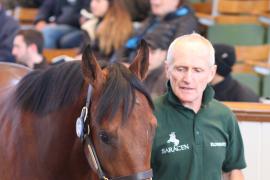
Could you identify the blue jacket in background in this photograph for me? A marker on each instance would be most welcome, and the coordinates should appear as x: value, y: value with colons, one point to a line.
x: 8, y: 29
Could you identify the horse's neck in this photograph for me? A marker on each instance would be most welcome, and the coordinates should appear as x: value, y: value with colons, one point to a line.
x: 58, y: 147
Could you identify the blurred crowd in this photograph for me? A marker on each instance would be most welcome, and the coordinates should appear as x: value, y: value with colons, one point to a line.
x: 113, y: 28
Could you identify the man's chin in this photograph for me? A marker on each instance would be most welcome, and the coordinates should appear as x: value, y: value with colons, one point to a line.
x: 185, y: 97
x: 186, y: 92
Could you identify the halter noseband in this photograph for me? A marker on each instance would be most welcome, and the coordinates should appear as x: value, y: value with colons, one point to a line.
x: 83, y: 132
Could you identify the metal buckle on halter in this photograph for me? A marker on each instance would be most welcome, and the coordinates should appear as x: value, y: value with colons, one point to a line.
x: 81, y: 130
x: 105, y: 178
x: 80, y: 123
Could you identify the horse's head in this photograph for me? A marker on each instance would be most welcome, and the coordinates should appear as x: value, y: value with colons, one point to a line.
x: 37, y: 122
x: 121, y: 119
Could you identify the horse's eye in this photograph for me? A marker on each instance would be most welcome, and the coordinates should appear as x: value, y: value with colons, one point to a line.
x: 104, y: 137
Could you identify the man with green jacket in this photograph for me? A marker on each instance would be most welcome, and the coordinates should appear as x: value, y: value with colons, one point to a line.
x: 197, y: 138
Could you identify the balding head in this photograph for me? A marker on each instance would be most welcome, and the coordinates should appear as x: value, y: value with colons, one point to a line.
x: 190, y: 66
x: 191, y: 43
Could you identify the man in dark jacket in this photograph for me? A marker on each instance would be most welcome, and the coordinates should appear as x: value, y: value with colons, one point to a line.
x: 59, y: 22
x: 8, y: 29
x: 225, y: 86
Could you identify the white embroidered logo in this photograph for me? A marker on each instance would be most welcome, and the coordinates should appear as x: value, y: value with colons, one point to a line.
x: 218, y: 144
x: 176, y: 145
x: 173, y: 139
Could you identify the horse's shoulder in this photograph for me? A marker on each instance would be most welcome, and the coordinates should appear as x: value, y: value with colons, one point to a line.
x: 10, y: 75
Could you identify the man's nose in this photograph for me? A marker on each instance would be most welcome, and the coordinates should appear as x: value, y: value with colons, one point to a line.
x: 188, y: 76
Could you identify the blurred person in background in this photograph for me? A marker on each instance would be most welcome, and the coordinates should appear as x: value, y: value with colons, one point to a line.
x: 168, y: 19
x: 9, y: 27
x: 30, y: 3
x: 8, y: 4
x: 59, y: 22
x: 12, y: 4
x: 28, y: 47
x: 156, y: 79
x: 138, y: 9
x: 225, y: 86
x: 109, y: 28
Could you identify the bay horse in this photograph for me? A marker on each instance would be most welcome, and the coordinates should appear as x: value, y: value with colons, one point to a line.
x: 10, y: 75
x: 78, y: 121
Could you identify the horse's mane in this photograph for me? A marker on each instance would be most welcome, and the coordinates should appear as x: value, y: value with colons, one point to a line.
x: 45, y: 91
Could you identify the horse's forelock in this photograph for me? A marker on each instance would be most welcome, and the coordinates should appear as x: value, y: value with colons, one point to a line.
x: 119, y: 93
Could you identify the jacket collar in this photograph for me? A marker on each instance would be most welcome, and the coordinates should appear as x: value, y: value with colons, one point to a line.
x: 208, y: 95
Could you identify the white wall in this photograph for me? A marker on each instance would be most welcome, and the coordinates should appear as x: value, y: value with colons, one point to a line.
x: 256, y: 137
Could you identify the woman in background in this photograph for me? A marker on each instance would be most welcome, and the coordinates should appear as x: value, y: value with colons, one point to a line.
x: 109, y: 28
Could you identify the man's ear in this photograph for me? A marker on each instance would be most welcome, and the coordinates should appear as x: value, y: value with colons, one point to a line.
x: 212, y: 73
x: 33, y: 47
x: 167, y: 69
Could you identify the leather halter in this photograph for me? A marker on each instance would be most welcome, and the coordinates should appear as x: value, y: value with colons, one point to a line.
x: 83, y: 132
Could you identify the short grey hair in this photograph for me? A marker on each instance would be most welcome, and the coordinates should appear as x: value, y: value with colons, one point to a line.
x: 194, y: 37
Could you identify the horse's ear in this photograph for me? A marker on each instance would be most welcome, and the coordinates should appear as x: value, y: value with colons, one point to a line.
x: 141, y: 61
x: 91, y: 70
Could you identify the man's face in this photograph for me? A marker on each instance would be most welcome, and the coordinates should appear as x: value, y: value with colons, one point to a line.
x: 189, y: 72
x: 20, y: 50
x: 163, y: 7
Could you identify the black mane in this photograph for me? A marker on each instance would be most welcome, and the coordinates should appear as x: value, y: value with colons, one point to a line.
x: 45, y: 91
x: 120, y: 90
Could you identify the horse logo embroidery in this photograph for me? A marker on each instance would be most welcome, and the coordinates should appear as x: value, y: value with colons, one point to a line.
x: 173, y: 139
